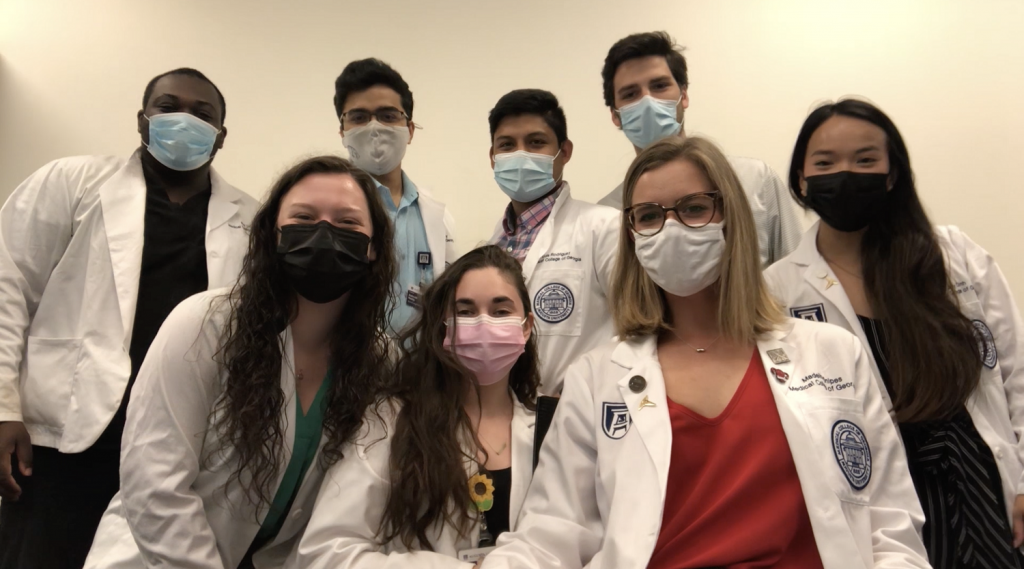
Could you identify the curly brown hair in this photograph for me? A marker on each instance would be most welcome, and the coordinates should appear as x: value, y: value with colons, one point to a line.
x: 428, y: 448
x: 248, y: 414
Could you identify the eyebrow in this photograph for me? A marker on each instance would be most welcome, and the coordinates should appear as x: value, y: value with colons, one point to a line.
x: 465, y: 302
x: 311, y: 206
x: 176, y: 99
x: 872, y: 148
x: 500, y: 300
x: 377, y: 110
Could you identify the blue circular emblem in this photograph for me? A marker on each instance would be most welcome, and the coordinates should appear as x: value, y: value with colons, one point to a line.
x: 553, y: 303
x: 986, y: 344
x: 852, y: 453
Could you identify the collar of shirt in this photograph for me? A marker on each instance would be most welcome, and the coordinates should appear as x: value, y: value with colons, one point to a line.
x: 409, y: 194
x: 532, y: 217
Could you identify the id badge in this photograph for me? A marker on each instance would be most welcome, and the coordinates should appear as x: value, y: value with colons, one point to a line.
x: 412, y: 296
x: 474, y: 555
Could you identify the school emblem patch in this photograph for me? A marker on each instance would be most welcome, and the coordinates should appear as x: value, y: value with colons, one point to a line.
x: 852, y: 453
x: 553, y: 303
x: 986, y: 344
x: 616, y: 420
x: 814, y: 312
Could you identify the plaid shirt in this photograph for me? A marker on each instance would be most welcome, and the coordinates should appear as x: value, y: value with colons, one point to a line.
x: 519, y: 233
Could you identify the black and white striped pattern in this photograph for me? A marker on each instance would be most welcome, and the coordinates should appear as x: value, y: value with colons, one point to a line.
x: 958, y: 483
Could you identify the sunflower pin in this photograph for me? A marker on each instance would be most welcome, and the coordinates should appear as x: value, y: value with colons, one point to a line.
x: 481, y: 490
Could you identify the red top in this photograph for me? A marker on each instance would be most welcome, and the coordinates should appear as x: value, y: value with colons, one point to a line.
x: 733, y: 497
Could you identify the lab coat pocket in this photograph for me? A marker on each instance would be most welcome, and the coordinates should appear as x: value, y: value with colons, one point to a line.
x: 558, y: 296
x: 836, y: 427
x: 50, y: 371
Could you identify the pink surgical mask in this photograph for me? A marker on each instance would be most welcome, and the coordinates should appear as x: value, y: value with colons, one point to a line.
x: 487, y: 346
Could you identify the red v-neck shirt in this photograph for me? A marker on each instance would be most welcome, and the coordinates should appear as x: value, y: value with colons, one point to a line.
x: 733, y: 497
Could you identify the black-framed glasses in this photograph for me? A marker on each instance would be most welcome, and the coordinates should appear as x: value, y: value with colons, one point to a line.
x: 695, y: 210
x: 389, y: 117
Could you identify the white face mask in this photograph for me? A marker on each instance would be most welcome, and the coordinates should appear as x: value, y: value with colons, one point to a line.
x: 681, y: 260
x: 376, y: 148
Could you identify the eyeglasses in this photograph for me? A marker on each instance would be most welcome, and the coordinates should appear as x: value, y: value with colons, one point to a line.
x: 359, y: 117
x: 695, y: 210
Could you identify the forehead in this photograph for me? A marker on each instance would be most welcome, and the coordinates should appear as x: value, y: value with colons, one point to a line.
x: 186, y: 88
x: 485, y: 284
x: 843, y: 132
x: 639, y: 69
x: 327, y: 191
x: 670, y: 182
x: 376, y: 97
x: 519, y: 126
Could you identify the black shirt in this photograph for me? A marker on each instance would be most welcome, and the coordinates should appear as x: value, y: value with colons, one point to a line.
x: 498, y: 516
x: 173, y: 269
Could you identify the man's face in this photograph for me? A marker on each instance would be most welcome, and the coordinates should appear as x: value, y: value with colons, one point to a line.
x: 642, y: 76
x: 184, y: 94
x: 384, y: 101
x: 532, y: 134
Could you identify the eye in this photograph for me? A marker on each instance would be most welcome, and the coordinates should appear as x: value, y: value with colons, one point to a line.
x: 464, y: 312
x: 867, y: 161
x: 502, y: 312
x: 822, y: 164
x: 660, y: 86
x: 303, y: 216
x: 694, y: 208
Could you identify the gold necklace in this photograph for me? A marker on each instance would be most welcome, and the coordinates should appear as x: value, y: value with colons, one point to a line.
x: 842, y: 268
x: 702, y: 350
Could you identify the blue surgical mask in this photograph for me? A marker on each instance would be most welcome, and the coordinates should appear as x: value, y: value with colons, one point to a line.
x: 649, y: 120
x: 525, y: 176
x: 181, y: 141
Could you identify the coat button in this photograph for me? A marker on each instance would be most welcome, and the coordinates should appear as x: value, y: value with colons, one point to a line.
x: 637, y: 384
x: 999, y: 454
x: 296, y: 513
x: 214, y: 254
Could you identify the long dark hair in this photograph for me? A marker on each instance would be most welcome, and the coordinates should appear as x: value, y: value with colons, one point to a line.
x: 934, y: 360
x: 249, y: 412
x: 433, y: 437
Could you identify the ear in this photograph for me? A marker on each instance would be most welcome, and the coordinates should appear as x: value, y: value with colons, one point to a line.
x: 528, y: 327
x: 220, y: 138
x: 371, y: 253
x: 891, y: 181
x: 412, y: 131
x: 490, y: 154
x: 616, y: 120
x: 803, y: 183
x: 143, y: 124
x: 566, y: 150
x: 684, y: 101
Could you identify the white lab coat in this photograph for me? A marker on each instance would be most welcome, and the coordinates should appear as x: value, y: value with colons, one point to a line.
x: 778, y: 219
x: 71, y: 239
x: 440, y: 228
x: 179, y: 505
x: 997, y: 405
x: 599, y: 491
x: 568, y: 272
x: 342, y: 533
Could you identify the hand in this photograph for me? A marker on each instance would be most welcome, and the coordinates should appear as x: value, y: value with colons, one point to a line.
x: 1018, y: 521
x: 14, y: 441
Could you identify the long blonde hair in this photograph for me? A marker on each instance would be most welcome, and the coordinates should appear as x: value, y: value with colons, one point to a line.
x: 746, y: 310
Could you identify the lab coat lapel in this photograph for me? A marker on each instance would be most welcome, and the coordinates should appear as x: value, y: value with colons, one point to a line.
x: 828, y: 521
x: 123, y: 199
x: 433, y: 223
x: 223, y: 206
x: 547, y: 231
x: 523, y: 421
x: 648, y: 408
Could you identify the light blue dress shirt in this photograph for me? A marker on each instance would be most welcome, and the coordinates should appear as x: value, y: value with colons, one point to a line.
x: 410, y: 242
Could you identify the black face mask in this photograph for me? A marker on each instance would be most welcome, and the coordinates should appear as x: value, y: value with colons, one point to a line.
x: 847, y: 201
x: 322, y: 261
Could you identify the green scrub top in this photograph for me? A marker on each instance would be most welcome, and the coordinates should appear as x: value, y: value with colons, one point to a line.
x: 308, y: 428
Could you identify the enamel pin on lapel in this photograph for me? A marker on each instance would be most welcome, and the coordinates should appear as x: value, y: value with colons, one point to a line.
x: 778, y: 356
x: 829, y: 281
x: 646, y: 403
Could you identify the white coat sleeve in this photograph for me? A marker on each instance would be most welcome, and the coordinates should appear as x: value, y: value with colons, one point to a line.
x: 35, y: 229
x: 450, y: 253
x: 560, y: 525
x: 789, y: 227
x: 167, y: 420
x: 896, y: 515
x: 1003, y: 319
x: 342, y: 531
x: 606, y: 247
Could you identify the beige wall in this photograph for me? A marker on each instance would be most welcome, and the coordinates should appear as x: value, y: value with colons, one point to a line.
x: 951, y: 73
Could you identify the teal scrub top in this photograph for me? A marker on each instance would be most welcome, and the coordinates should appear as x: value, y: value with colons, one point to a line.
x: 308, y: 428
